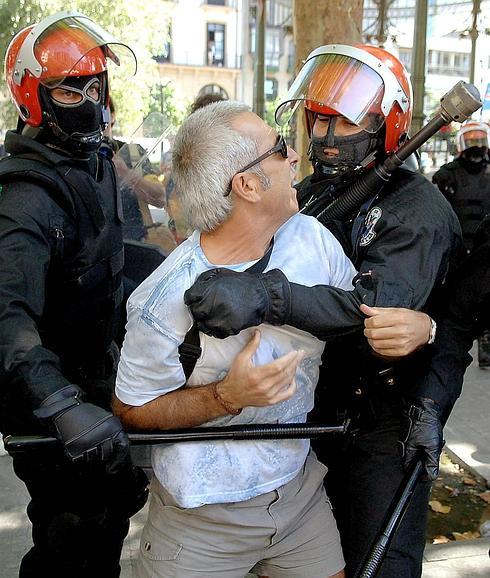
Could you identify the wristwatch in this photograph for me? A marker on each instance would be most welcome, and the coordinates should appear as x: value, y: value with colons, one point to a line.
x: 432, y: 331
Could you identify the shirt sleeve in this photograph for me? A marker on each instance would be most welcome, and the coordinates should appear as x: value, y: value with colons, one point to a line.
x: 149, y: 366
x: 342, y: 271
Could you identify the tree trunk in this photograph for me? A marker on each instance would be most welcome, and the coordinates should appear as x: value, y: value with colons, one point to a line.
x: 315, y: 24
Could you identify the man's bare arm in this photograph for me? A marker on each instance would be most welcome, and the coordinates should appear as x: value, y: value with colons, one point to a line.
x: 245, y: 385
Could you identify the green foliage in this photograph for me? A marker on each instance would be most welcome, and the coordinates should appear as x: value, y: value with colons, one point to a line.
x: 163, y: 100
x: 143, y: 27
x: 270, y: 110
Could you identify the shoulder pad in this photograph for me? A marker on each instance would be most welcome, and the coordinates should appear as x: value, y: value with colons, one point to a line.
x: 453, y: 165
x: 33, y: 170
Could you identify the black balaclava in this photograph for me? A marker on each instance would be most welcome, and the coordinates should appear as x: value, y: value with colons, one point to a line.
x: 353, y: 150
x: 474, y: 159
x: 75, y: 128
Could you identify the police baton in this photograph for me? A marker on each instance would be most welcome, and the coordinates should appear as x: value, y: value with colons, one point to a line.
x: 376, y: 556
x: 15, y: 443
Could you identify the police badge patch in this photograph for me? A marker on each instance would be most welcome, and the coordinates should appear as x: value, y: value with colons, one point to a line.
x: 368, y: 233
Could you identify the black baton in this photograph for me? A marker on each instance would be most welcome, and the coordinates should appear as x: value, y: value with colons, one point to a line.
x: 239, y: 432
x: 376, y: 556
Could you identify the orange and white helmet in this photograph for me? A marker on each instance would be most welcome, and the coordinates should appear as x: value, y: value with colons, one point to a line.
x: 63, y: 45
x: 472, y: 133
x: 364, y: 83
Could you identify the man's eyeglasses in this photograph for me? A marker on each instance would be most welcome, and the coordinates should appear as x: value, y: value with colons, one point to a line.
x: 280, y: 147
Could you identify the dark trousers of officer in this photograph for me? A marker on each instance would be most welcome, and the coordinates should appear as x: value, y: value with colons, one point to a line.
x: 79, y: 518
x: 365, y: 474
x: 484, y: 350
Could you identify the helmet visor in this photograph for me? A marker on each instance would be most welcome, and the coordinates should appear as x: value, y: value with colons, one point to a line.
x: 475, y: 138
x: 337, y: 83
x: 70, y: 44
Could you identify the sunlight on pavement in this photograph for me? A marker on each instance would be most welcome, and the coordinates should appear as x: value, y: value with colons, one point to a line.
x: 466, y: 452
x: 13, y: 519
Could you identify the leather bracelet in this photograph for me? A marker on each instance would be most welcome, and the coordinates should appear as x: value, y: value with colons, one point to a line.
x: 432, y: 332
x: 229, y: 409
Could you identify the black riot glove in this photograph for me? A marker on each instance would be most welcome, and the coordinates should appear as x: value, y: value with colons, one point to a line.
x: 127, y: 489
x: 224, y: 302
x: 88, y: 432
x: 423, y: 440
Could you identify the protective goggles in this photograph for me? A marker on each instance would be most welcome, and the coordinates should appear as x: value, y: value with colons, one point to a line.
x: 280, y: 147
x: 348, y: 81
x: 57, y: 46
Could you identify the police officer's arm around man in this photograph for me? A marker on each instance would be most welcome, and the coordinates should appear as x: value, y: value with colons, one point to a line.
x: 357, y: 103
x: 225, y: 507
x: 60, y: 294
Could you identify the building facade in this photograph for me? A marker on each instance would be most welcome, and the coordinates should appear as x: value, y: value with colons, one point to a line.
x: 450, y: 26
x: 211, y: 49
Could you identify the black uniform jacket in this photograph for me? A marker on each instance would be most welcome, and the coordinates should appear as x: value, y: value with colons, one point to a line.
x: 60, y: 275
x: 406, y: 240
x: 405, y: 244
x: 466, y: 186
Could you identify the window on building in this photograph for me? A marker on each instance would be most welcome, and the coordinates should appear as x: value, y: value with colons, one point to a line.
x: 215, y: 44
x: 213, y: 89
x: 166, y: 53
x: 405, y: 56
x: 270, y: 88
x: 273, y: 48
x: 448, y: 63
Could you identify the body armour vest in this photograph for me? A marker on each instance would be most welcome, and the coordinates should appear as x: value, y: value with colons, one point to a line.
x: 469, y: 195
x: 83, y: 288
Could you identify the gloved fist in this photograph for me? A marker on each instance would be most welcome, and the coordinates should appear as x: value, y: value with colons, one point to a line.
x: 88, y: 432
x: 423, y: 439
x: 224, y: 302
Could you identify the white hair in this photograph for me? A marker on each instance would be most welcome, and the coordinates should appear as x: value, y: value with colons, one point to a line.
x: 208, y: 151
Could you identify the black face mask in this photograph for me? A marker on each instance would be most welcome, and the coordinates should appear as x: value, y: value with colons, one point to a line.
x: 76, y: 128
x: 353, y: 150
x: 475, y: 159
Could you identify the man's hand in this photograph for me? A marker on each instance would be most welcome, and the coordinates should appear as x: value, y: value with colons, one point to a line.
x: 88, y: 432
x: 395, y: 332
x: 248, y: 385
x: 423, y: 437
x: 224, y: 302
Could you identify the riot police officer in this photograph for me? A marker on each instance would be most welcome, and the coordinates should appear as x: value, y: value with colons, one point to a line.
x: 358, y: 103
x: 61, y: 258
x: 466, y: 315
x: 465, y: 182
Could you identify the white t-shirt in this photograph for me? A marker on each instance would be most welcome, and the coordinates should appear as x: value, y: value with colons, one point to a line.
x: 197, y: 473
